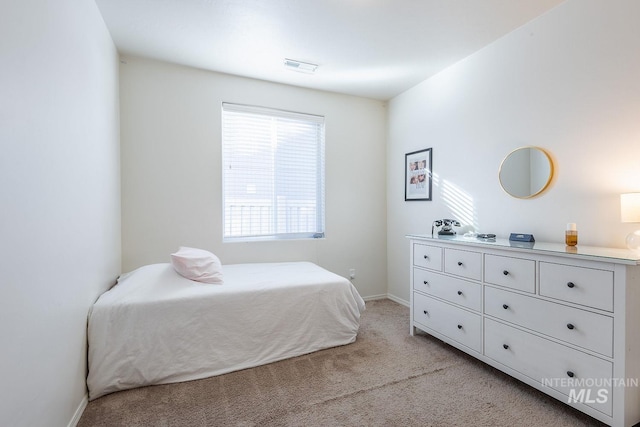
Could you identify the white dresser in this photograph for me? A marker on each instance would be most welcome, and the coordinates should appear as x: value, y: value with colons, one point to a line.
x: 563, y: 320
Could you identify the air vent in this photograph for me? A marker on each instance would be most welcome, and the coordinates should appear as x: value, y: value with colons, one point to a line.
x: 302, y: 67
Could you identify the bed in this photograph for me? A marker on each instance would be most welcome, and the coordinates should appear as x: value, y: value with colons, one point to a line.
x: 157, y: 327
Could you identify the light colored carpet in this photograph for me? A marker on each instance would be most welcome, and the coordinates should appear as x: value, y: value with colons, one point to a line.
x: 385, y: 378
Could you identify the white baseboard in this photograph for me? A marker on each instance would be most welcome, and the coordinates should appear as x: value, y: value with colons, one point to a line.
x: 398, y: 300
x: 81, y: 407
x: 387, y: 296
x: 375, y: 297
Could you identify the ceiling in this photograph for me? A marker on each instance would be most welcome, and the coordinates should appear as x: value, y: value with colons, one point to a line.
x: 371, y: 48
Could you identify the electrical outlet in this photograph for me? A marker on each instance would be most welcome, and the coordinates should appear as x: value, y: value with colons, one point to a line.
x: 352, y: 273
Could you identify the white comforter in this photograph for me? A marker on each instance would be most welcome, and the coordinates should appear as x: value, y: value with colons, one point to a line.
x: 156, y: 327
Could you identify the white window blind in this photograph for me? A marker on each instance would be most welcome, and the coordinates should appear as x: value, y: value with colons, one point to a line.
x: 273, y: 173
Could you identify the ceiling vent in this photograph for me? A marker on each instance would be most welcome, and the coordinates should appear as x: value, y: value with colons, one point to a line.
x: 302, y: 67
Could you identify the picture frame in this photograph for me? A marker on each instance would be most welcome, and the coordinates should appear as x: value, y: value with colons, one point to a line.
x: 418, y: 175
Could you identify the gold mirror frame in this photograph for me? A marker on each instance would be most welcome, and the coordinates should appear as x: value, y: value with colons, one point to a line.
x: 516, y: 173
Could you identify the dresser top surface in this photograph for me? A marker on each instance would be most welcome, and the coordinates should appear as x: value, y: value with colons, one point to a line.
x: 616, y: 255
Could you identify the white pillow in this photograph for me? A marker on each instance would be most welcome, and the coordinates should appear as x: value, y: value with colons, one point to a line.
x: 198, y: 265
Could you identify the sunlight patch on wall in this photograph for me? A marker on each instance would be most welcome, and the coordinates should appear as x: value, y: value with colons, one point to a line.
x: 460, y: 203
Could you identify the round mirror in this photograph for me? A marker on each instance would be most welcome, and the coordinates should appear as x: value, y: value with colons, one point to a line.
x: 526, y: 172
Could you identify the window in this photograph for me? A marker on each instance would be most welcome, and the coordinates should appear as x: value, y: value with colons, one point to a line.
x: 273, y: 174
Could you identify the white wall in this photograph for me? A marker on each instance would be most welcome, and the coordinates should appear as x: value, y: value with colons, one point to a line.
x: 171, y: 176
x: 60, y: 192
x: 567, y: 82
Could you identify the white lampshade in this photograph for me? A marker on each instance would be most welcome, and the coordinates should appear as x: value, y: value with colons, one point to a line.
x: 630, y: 212
x: 630, y: 207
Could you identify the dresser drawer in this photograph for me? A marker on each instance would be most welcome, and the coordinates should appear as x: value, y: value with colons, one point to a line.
x: 579, y: 285
x: 463, y: 263
x: 514, y: 273
x: 427, y: 256
x: 456, y: 323
x: 458, y: 291
x: 554, y: 365
x: 582, y: 328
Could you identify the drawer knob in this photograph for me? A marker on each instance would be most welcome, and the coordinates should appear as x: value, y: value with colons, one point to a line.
x: 505, y: 272
x: 425, y: 282
x: 459, y: 292
x: 426, y: 312
x: 571, y: 284
x: 505, y: 306
x: 459, y: 326
x: 426, y: 257
x: 570, y: 325
x: 570, y: 374
x: 505, y: 346
x: 459, y: 262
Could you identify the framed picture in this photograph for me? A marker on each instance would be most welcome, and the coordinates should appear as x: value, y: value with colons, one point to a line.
x: 417, y: 175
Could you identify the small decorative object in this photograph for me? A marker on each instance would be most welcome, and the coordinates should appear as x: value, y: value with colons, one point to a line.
x: 417, y: 175
x: 524, y: 245
x: 521, y: 237
x: 571, y: 235
x: 630, y: 212
x: 485, y: 236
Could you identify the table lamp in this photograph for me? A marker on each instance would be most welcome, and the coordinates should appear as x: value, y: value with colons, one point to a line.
x: 630, y: 212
